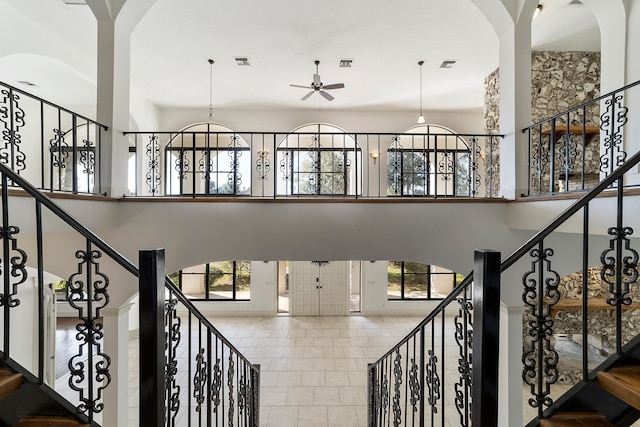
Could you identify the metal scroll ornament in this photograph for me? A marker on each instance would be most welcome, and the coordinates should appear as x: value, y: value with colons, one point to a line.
x: 445, y: 166
x: 234, y: 177
x: 152, y: 177
x: 397, y: 376
x: 200, y: 380
x: 627, y: 266
x: 540, y: 359
x: 15, y: 266
x: 12, y: 118
x: 216, y: 386
x: 433, y: 382
x: 263, y: 166
x: 59, y: 149
x: 474, y: 180
x: 230, y: 374
x: 395, y: 167
x: 414, y: 385
x: 568, y: 152
x: 89, y: 368
x: 464, y: 341
x: 87, y: 157
x: 611, y: 123
x: 172, y: 340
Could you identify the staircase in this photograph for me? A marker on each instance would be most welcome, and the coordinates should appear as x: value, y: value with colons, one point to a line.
x: 22, y: 403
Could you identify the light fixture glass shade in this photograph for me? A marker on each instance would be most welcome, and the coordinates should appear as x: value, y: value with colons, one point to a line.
x: 421, y: 119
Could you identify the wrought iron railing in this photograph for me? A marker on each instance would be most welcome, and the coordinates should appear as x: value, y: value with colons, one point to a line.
x: 209, y: 163
x: 426, y: 379
x: 597, y: 303
x: 575, y: 149
x: 68, y: 156
x: 408, y: 385
x: 194, y: 357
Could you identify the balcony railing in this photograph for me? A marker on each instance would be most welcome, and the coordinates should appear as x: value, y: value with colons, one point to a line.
x: 207, y: 163
x: 574, y: 150
x: 67, y: 157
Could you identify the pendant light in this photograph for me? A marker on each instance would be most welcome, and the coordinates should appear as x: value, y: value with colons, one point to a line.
x: 421, y: 117
x: 211, y: 89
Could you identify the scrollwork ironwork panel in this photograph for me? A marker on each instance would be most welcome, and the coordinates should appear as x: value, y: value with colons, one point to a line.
x: 540, y: 359
x: 433, y: 381
x: 89, y: 368
x: 445, y: 166
x: 17, y: 272
x: 59, y: 150
x: 263, y: 166
x: 12, y: 117
x: 200, y: 379
x: 397, y: 377
x: 464, y: 341
x: 216, y: 386
x: 230, y: 383
x: 172, y: 340
x: 414, y: 385
x: 568, y: 152
x: 611, y: 123
x: 625, y: 268
x: 153, y: 161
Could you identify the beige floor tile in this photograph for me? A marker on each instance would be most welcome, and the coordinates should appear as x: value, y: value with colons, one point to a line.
x: 335, y: 379
x: 342, y: 416
x: 313, y: 416
x: 300, y: 396
x: 283, y: 416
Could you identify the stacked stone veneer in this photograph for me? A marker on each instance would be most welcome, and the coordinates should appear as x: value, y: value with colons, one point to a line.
x: 559, y: 81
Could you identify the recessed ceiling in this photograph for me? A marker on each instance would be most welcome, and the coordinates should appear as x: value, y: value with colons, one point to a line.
x: 282, y: 38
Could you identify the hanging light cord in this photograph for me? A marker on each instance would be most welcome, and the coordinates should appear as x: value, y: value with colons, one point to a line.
x: 420, y: 64
x: 211, y: 89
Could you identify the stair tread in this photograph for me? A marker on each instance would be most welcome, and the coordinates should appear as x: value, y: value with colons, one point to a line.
x: 576, y: 419
x: 623, y: 382
x: 46, y: 421
x: 9, y: 382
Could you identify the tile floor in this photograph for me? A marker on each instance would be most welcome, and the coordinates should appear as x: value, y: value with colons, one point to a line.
x: 313, y: 369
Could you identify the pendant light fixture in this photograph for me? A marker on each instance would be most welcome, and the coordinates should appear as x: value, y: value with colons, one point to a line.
x: 421, y: 117
x: 211, y: 89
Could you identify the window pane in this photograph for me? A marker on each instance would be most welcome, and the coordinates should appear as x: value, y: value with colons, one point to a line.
x: 394, y: 277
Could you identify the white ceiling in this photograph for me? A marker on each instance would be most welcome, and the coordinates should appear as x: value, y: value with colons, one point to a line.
x: 281, y: 38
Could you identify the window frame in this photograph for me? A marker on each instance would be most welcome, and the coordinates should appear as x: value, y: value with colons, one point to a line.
x: 207, y: 282
x: 428, y: 282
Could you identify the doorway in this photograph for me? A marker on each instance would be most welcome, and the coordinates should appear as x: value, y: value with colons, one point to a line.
x: 319, y: 288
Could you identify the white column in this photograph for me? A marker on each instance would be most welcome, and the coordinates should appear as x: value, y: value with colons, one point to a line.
x: 116, y: 346
x: 510, y: 395
x: 116, y: 21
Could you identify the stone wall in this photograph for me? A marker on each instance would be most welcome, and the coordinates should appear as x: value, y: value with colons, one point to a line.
x: 492, y: 126
x: 559, y: 81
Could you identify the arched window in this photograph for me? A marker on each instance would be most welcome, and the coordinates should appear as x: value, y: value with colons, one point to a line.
x: 319, y: 160
x: 207, y: 159
x: 431, y: 160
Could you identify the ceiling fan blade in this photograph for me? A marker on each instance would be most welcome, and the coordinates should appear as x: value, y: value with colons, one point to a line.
x: 304, y: 87
x: 316, y: 79
x: 326, y: 95
x: 333, y: 86
x: 307, y: 95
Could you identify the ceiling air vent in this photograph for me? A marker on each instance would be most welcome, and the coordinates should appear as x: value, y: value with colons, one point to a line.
x: 448, y: 63
x: 75, y: 2
x: 346, y: 63
x: 242, y: 61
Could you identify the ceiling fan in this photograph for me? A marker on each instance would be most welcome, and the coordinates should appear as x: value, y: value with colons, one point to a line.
x: 317, y: 86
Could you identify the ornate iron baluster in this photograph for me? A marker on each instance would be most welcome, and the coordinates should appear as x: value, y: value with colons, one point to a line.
x: 91, y: 376
x: 172, y: 339
x: 464, y: 341
x: 17, y: 270
x: 199, y: 379
x: 182, y: 164
x: 628, y: 265
x: 397, y: 376
x: 88, y: 157
x: 315, y: 179
x: 230, y: 374
x: 286, y: 164
x: 445, y: 166
x: 12, y: 117
x: 153, y: 154
x: 539, y: 160
x: 611, y: 122
x: 433, y: 381
x: 234, y: 177
x: 568, y: 153
x: 216, y: 386
x: 541, y: 360
x: 263, y: 166
x: 414, y: 385
x: 395, y: 171
x: 59, y: 150
x: 384, y: 395
x: 475, y: 179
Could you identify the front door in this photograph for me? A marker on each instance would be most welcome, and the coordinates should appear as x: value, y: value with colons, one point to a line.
x: 319, y: 288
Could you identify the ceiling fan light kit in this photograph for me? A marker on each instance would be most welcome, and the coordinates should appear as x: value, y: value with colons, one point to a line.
x: 317, y: 86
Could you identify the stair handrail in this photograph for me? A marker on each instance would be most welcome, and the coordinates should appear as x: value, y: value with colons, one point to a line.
x: 175, y: 294
x: 584, y: 104
x: 104, y: 246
